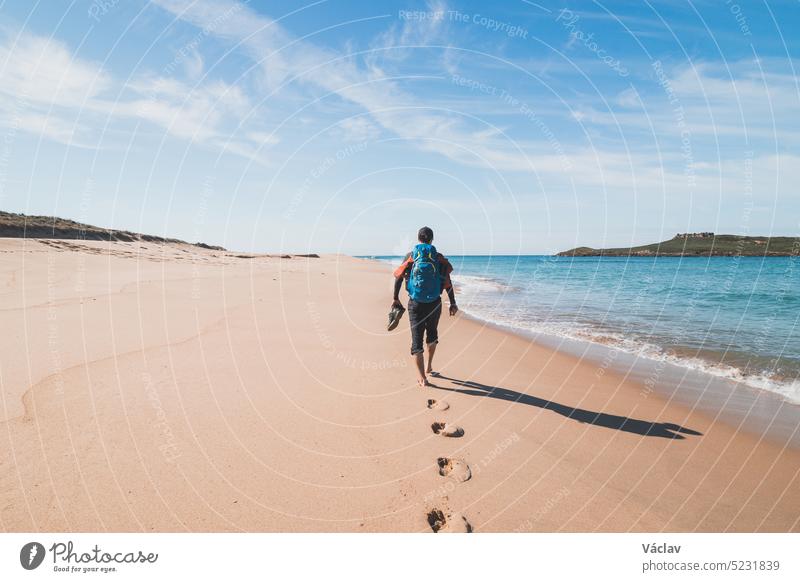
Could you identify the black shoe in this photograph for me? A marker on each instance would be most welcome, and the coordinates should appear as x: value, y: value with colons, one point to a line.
x: 395, y: 315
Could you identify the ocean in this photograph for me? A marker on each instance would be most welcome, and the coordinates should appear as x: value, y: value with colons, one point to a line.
x: 734, y: 318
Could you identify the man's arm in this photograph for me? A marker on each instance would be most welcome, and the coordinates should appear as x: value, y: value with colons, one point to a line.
x: 399, y: 276
x: 447, y: 268
x: 452, y: 295
x: 398, y: 283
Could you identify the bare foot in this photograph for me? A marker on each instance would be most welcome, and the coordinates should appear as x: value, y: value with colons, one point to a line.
x: 432, y: 373
x: 422, y: 382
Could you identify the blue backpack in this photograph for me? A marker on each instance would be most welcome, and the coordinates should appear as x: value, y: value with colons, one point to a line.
x: 425, y: 279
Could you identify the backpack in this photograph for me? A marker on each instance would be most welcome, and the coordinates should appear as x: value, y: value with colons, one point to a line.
x: 425, y: 279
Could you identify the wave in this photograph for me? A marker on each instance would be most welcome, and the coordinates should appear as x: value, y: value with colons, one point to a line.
x: 469, y: 284
x: 764, y: 379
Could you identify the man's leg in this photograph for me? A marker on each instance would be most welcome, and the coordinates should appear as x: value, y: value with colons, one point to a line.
x: 432, y: 332
x: 416, y: 320
x: 431, y: 351
x: 419, y: 360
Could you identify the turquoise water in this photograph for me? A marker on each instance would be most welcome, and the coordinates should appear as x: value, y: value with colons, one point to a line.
x: 731, y: 317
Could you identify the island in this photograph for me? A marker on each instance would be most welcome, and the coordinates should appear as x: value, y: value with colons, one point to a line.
x: 701, y: 244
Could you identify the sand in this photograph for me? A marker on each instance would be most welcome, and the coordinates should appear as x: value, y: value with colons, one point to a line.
x: 152, y: 387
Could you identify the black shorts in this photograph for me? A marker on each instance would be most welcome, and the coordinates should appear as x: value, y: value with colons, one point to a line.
x: 424, y: 319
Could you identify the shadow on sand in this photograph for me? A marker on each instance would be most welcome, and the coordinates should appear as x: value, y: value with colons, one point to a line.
x: 666, y: 430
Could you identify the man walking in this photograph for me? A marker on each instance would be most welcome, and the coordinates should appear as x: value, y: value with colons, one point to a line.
x: 427, y: 274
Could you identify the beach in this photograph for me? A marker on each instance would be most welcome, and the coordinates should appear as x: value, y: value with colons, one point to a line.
x: 170, y: 388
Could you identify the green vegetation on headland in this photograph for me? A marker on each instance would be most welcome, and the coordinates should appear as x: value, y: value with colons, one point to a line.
x: 22, y: 226
x: 51, y: 227
x: 701, y: 244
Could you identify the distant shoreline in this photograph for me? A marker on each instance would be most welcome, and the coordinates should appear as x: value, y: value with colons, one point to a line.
x: 700, y: 244
x: 14, y: 225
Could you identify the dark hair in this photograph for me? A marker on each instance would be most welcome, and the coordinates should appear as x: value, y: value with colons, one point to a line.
x: 425, y: 235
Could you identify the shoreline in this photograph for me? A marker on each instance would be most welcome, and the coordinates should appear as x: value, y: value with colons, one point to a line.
x: 741, y: 402
x: 168, y: 388
x: 738, y: 404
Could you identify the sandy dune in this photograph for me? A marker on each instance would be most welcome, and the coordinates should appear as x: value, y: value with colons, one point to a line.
x: 152, y: 387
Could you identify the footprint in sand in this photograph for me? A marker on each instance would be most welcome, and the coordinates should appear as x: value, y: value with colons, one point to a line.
x: 447, y: 429
x: 455, y: 468
x: 442, y: 522
x: 437, y: 404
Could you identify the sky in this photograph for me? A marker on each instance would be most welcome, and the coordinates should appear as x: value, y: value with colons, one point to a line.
x: 511, y: 127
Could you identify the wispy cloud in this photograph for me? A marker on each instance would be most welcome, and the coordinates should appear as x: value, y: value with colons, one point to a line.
x: 404, y: 36
x: 46, y: 73
x: 747, y: 99
x: 285, y: 60
x: 68, y: 99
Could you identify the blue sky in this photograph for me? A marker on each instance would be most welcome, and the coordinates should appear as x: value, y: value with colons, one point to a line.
x: 509, y: 127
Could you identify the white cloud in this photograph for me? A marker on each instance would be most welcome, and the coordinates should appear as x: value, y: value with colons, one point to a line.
x: 629, y: 98
x: 193, y: 64
x: 194, y: 113
x: 359, y: 129
x: 263, y: 138
x: 738, y: 99
x: 45, y: 72
x: 46, y: 90
x: 399, y: 40
x: 49, y: 126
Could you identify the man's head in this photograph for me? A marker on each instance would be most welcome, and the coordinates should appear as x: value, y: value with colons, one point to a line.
x: 425, y: 235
